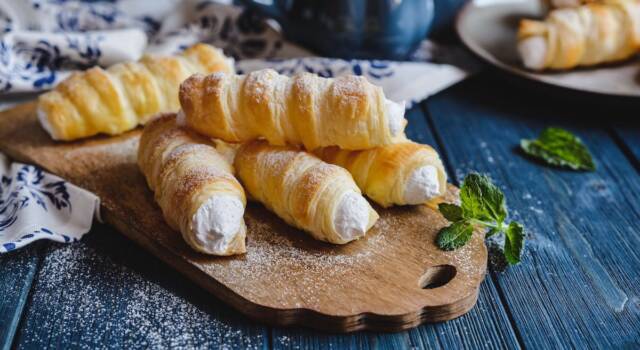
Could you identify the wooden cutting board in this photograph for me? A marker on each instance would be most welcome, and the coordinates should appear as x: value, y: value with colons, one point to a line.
x: 285, y: 278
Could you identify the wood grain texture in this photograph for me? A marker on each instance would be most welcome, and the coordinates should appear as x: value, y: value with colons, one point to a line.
x: 577, y: 286
x: 106, y: 292
x: 629, y: 136
x: 17, y: 272
x: 485, y: 326
x: 285, y: 278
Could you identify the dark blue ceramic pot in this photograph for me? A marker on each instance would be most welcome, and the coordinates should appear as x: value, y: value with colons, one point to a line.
x: 385, y: 29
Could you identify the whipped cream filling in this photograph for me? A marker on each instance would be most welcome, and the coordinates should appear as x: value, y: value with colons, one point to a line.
x: 352, y: 216
x: 216, y: 222
x: 231, y: 62
x: 533, y: 51
x: 422, y: 185
x: 44, y: 122
x: 395, y: 111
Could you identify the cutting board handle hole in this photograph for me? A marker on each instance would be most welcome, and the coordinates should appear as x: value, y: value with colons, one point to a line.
x: 437, y: 276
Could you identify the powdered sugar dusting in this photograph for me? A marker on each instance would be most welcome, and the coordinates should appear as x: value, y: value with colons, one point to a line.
x: 283, y: 267
x: 349, y: 86
x: 101, y: 301
x: 276, y: 252
x: 276, y: 158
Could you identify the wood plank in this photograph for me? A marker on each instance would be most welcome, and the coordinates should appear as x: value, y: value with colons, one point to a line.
x: 17, y: 272
x: 629, y: 136
x: 577, y: 286
x: 105, y: 291
x: 486, y: 325
x: 372, y: 283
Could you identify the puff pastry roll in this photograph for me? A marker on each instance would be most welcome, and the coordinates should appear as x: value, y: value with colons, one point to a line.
x: 305, y: 109
x: 304, y: 191
x: 125, y: 95
x: 567, y: 3
x: 587, y: 35
x: 400, y: 174
x: 194, y: 186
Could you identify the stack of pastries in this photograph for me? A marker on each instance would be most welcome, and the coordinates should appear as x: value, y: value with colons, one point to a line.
x: 581, y: 33
x: 308, y: 148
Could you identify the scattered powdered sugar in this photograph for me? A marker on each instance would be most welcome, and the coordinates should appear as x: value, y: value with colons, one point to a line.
x: 284, y: 268
x: 485, y: 148
x: 83, y: 298
x: 296, y: 268
x: 261, y: 84
x: 275, y: 158
x: 350, y: 87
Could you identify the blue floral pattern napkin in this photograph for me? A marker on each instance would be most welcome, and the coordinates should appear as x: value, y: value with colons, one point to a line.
x: 43, y: 41
x: 35, y: 205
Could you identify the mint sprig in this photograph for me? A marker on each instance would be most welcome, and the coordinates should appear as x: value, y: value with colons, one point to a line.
x: 455, y: 235
x: 482, y: 205
x: 561, y: 148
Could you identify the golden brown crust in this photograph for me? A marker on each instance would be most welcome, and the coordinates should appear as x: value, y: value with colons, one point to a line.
x: 382, y: 172
x: 303, y: 110
x: 208, y: 58
x: 529, y: 27
x: 300, y: 188
x: 115, y: 100
x: 591, y: 34
x: 184, y: 171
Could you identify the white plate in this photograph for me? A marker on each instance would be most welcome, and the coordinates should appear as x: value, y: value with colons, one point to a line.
x: 488, y: 28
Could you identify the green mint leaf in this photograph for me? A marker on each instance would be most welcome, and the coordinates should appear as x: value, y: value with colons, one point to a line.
x: 513, y: 243
x: 450, y: 211
x: 559, y: 147
x: 455, y: 236
x: 482, y: 200
x: 482, y: 205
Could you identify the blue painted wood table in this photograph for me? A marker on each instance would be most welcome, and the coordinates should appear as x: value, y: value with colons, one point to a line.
x: 577, y: 287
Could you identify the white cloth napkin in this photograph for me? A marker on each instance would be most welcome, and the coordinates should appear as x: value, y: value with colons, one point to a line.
x: 35, y: 205
x: 42, y: 41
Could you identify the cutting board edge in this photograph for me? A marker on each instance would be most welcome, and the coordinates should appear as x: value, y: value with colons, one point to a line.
x: 265, y: 314
x: 364, y: 321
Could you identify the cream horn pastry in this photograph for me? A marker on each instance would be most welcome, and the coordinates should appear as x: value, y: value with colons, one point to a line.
x: 194, y: 186
x: 125, y: 95
x: 567, y: 3
x: 304, y: 191
x: 587, y: 35
x: 398, y: 174
x: 305, y: 109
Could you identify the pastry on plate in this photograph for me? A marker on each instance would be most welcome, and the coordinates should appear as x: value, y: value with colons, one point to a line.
x: 587, y: 35
x: 125, y: 95
x: 305, y: 109
x: 194, y: 186
x: 398, y: 174
x: 567, y: 3
x: 304, y: 191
